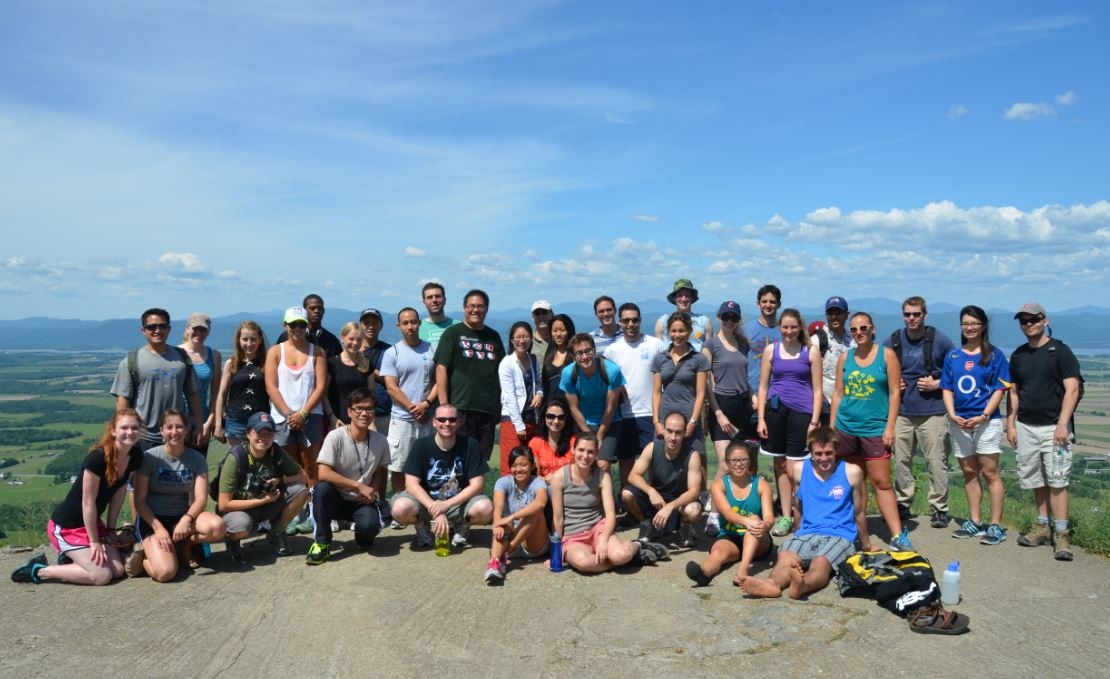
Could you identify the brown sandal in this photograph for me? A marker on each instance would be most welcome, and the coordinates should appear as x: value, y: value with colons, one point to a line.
x: 933, y: 619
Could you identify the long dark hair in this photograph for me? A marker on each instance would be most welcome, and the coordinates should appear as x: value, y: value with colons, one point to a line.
x: 568, y: 323
x: 563, y: 444
x: 986, y: 352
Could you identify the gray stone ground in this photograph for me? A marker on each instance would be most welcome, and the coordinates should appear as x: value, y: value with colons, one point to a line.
x: 403, y: 613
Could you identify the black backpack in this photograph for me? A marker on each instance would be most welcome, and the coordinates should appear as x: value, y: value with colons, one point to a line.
x: 242, y: 464
x: 900, y: 581
x: 930, y: 337
x: 822, y: 336
x: 1053, y: 343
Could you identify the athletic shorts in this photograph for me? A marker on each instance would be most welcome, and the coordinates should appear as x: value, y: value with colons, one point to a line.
x: 985, y: 439
x: 587, y: 538
x: 307, y: 436
x: 867, y: 447
x: 809, y: 547
x: 68, y: 539
x: 1037, y: 461
x: 636, y: 433
x: 738, y: 409
x: 649, y: 510
x: 787, y: 430
x: 455, y: 515
x: 144, y: 530
x: 608, y: 451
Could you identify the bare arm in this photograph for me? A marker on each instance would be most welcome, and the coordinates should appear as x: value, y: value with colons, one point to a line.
x: 838, y: 390
x: 221, y: 401
x: 815, y: 380
x: 442, y: 384
x: 894, y: 390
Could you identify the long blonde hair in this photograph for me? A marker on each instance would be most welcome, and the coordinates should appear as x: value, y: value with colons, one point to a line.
x: 361, y: 361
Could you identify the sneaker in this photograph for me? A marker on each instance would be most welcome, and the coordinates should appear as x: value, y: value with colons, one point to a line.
x: 461, y: 538
x: 234, y: 550
x: 28, y: 572
x: 783, y: 526
x: 969, y: 529
x: 706, y: 501
x: 626, y: 520
x: 263, y: 527
x: 994, y: 535
x: 425, y: 539
x: 293, y: 527
x: 647, y: 530
x: 306, y: 527
x: 1062, y: 545
x: 686, y: 536
x: 695, y: 573
x: 395, y: 525
x: 495, y: 572
x: 658, y: 550
x: 63, y: 559
x: 335, y: 526
x: 134, y: 564
x: 1039, y: 534
x: 648, y: 557
x: 901, y: 542
x: 280, y: 543
x: 317, y: 554
x: 940, y: 519
x: 713, y: 525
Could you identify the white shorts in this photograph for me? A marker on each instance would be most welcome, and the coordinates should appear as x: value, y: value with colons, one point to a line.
x: 986, y: 439
x: 402, y: 434
x: 1038, y: 463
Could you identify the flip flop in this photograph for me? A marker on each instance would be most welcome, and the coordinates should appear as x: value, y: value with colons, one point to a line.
x: 934, y: 619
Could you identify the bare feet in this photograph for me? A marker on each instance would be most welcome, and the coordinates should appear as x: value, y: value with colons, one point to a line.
x: 760, y: 587
x: 797, y: 587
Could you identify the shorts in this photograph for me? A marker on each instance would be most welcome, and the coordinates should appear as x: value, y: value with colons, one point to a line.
x: 810, y: 546
x: 587, y: 538
x: 402, y: 434
x: 608, y: 452
x: 68, y: 539
x: 382, y: 423
x: 738, y: 409
x: 787, y: 430
x: 144, y: 530
x: 867, y: 447
x: 236, y: 429
x: 649, y: 510
x: 310, y: 434
x: 986, y: 439
x: 1038, y: 463
x: 522, y: 553
x: 636, y: 433
x: 455, y: 515
x: 247, y: 520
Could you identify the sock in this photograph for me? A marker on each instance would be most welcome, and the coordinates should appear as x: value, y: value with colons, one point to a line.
x: 1061, y: 524
x: 1043, y: 520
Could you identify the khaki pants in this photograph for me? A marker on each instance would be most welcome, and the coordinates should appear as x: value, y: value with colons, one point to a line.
x: 930, y: 432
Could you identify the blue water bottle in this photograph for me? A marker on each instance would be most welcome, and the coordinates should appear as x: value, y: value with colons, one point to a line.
x: 556, y: 552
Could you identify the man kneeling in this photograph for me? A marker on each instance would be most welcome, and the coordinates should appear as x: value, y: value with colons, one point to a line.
x: 670, y: 500
x: 351, y: 487
x: 260, y: 482
x: 828, y: 490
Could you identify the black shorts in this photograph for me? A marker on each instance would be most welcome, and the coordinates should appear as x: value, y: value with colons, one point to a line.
x: 738, y: 409
x: 145, y: 530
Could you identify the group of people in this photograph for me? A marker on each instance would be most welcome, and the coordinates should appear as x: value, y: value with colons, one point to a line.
x: 318, y: 423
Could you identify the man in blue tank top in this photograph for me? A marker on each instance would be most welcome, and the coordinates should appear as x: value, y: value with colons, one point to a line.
x: 828, y: 490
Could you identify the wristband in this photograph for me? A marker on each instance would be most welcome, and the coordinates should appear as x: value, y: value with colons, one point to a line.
x: 303, y: 414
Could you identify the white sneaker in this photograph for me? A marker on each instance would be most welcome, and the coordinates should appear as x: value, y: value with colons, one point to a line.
x: 713, y: 524
x: 334, y: 526
x: 394, y: 525
x: 461, y: 538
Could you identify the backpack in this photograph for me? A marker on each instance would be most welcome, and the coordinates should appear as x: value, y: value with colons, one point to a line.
x: 822, y: 340
x: 242, y: 464
x: 1052, y: 345
x: 133, y: 369
x: 900, y: 581
x: 930, y: 336
x: 600, y: 367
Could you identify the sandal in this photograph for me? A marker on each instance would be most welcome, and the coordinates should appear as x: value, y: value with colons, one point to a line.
x: 933, y: 619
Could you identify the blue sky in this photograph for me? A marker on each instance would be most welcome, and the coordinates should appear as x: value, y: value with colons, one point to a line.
x: 233, y: 156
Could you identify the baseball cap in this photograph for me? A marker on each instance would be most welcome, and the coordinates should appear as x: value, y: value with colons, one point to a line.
x: 835, y: 302
x: 295, y: 313
x: 260, y: 421
x: 729, y: 307
x: 370, y: 311
x: 541, y: 304
x: 199, y: 319
x: 1031, y: 308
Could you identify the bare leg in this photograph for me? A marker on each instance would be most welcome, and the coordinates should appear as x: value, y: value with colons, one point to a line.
x: 772, y: 587
x: 784, y: 485
x: 879, y: 472
x: 996, y: 490
x: 722, y: 553
x: 753, y: 547
x: 970, y: 467
x: 804, y: 582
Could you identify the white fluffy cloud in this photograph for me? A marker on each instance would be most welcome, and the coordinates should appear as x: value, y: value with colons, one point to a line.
x: 1068, y: 98
x: 411, y: 251
x: 1029, y: 111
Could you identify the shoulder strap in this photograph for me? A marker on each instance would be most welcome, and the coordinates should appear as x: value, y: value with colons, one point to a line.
x: 930, y: 337
x: 133, y: 370
x: 604, y: 372
x: 896, y: 343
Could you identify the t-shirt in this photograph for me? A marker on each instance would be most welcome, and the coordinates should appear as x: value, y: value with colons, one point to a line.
x: 759, y: 337
x: 171, y: 480
x: 413, y: 368
x: 697, y: 331
x: 431, y: 332
x: 276, y: 462
x: 444, y: 474
x: 973, y: 384
x: 355, y: 460
x: 730, y: 368
x: 164, y: 381
x: 914, y: 402
x: 517, y: 498
x: 592, y: 392
x: 679, y: 382
x: 1039, y: 379
x: 471, y: 358
x: 602, y: 342
x: 635, y: 359
x: 68, y: 513
x: 342, y: 380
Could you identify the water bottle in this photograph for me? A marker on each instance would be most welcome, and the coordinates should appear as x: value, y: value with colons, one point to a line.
x: 443, y: 544
x: 556, y: 552
x: 950, y: 585
x: 205, y: 550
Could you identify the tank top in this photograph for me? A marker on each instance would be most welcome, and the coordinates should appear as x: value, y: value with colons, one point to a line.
x: 204, y: 377
x: 669, y: 476
x: 581, y: 504
x: 866, y: 401
x: 295, y: 384
x: 749, y: 506
x: 827, y: 507
x: 246, y: 393
x: 790, y: 380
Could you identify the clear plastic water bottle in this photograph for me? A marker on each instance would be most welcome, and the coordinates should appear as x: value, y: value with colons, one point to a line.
x: 556, y: 552
x: 950, y: 585
x: 443, y: 544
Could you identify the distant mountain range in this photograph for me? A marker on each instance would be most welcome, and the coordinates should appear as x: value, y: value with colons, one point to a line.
x: 1084, y: 328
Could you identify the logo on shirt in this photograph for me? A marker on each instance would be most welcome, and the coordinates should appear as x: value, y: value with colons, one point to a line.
x: 837, y: 492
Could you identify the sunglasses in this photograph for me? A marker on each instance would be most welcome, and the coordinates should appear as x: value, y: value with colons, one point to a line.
x: 912, y: 314
x: 297, y: 324
x: 860, y: 329
x: 447, y: 420
x: 156, y: 327
x: 630, y: 320
x: 554, y: 417
x: 730, y: 318
x: 1026, y: 320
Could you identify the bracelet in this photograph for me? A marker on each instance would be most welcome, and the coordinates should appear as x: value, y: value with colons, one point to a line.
x: 986, y: 415
x: 303, y: 414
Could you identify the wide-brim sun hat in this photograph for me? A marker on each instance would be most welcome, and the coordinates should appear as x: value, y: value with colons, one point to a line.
x: 682, y: 284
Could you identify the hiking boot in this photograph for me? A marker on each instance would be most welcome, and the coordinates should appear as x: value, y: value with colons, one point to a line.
x: 424, y: 539
x: 713, y: 525
x: 234, y: 550
x: 280, y: 542
x: 1039, y: 534
x: 647, y: 556
x: 1062, y: 545
x: 495, y: 572
x: 29, y: 572
x: 783, y: 526
x: 318, y: 553
x: 461, y: 538
x: 134, y: 564
x: 994, y: 535
x: 901, y: 542
x: 969, y: 529
x: 686, y: 536
x: 657, y: 550
x: 695, y: 573
x: 939, y: 519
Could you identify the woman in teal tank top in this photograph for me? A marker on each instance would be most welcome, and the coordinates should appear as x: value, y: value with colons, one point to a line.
x: 743, y: 499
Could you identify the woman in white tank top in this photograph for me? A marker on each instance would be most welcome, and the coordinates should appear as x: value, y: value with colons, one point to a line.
x: 296, y: 381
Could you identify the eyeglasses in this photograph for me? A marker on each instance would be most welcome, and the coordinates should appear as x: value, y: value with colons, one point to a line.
x: 630, y: 321
x: 730, y: 318
x: 475, y: 307
x: 554, y: 418
x: 860, y: 329
x: 447, y: 420
x: 584, y: 353
x: 1026, y: 320
x: 156, y: 327
x: 361, y: 410
x: 739, y: 462
x: 913, y: 314
x: 971, y: 324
